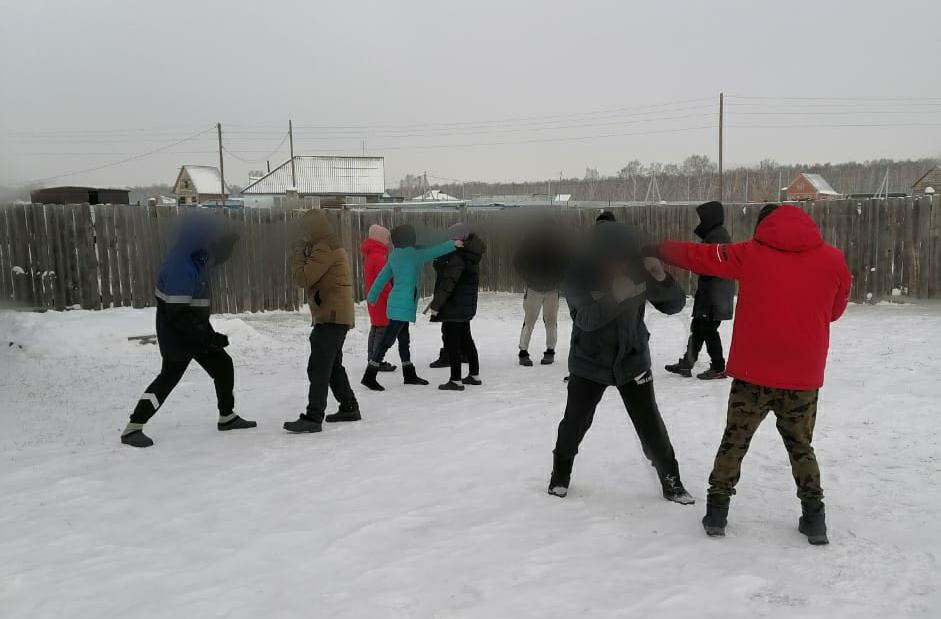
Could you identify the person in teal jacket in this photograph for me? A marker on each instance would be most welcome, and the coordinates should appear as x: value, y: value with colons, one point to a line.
x: 404, y: 269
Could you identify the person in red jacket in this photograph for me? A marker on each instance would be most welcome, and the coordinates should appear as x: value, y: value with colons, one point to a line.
x: 375, y: 250
x: 792, y: 285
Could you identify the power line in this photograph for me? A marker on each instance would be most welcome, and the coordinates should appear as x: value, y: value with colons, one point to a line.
x: 265, y: 158
x: 122, y: 161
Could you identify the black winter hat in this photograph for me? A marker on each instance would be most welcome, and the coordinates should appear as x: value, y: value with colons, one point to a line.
x: 605, y: 216
x: 404, y: 236
x: 766, y: 210
x: 711, y: 215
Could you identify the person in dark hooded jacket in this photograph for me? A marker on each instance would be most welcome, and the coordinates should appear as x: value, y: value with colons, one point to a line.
x: 454, y: 304
x: 184, y: 332
x: 609, y: 287
x: 711, y: 305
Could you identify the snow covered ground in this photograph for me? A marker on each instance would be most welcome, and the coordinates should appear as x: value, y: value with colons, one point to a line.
x: 435, y: 505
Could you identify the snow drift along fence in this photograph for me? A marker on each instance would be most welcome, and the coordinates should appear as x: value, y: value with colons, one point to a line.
x: 93, y: 257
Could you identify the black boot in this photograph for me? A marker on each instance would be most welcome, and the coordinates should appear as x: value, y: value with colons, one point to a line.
x: 813, y: 522
x: 561, y: 475
x: 525, y: 361
x: 470, y: 379
x: 349, y: 412
x: 673, y: 490
x: 682, y: 367
x: 385, y: 366
x: 411, y: 376
x: 717, y: 515
x: 303, y: 425
x: 235, y: 423
x: 136, y: 438
x: 369, y: 378
x: 548, y: 357
x: 442, y: 360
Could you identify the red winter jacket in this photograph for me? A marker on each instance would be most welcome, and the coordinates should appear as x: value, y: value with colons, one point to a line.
x: 792, y: 285
x: 375, y: 255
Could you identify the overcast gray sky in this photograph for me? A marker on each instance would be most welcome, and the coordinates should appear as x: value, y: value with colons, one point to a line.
x: 488, y: 90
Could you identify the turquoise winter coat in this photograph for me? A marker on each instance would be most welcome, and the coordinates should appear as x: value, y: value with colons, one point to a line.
x: 404, y: 269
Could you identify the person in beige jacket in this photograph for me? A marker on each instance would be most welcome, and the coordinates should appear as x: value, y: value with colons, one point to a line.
x: 320, y: 264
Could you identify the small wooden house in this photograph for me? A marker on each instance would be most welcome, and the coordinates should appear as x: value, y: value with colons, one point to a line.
x: 197, y: 184
x: 811, y: 187
x: 929, y: 183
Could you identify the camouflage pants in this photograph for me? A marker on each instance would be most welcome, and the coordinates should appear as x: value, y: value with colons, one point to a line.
x: 796, y: 412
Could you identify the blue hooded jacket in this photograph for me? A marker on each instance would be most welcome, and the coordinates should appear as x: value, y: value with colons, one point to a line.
x: 183, y: 292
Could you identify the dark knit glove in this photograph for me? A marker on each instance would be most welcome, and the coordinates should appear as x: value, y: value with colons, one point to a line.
x: 218, y: 341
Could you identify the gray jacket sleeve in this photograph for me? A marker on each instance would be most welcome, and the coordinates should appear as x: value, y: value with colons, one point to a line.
x: 666, y: 296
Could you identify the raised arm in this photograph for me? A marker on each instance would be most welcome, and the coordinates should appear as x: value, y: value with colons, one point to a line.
x: 309, y: 268
x: 428, y: 254
x: 665, y: 295
x: 381, y: 280
x: 723, y: 261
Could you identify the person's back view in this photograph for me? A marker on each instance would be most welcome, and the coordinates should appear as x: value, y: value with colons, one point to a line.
x: 792, y: 285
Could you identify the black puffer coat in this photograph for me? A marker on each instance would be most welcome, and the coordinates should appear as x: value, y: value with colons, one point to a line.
x: 609, y: 338
x: 715, y: 297
x: 458, y: 281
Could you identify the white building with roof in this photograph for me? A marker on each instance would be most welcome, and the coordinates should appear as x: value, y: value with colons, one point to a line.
x: 196, y: 184
x: 435, y: 195
x: 333, y: 180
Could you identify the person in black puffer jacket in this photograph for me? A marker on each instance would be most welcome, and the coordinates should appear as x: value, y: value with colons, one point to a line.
x: 609, y: 286
x: 712, y: 304
x: 455, y: 304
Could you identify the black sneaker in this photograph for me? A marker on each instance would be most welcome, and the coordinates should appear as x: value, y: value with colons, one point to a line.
x: 236, y: 423
x: 712, y: 374
x: 681, y: 367
x: 548, y: 357
x: 137, y: 438
x: 303, y: 425
x: 385, y: 366
x: 471, y: 380
x: 451, y: 386
x: 561, y: 476
x: 813, y: 522
x: 717, y: 516
x: 344, y: 414
x: 673, y: 490
x: 525, y: 361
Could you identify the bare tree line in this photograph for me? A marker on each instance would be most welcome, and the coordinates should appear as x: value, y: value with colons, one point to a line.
x: 695, y: 179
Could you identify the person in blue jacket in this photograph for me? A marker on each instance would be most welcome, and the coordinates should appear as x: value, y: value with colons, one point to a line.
x: 404, y: 269
x: 183, y: 329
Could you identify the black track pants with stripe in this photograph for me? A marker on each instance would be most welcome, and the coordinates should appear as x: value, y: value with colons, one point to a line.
x: 217, y: 363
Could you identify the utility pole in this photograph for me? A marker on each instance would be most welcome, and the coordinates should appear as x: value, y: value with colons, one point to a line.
x: 291, y: 139
x: 721, y: 123
x: 221, y: 168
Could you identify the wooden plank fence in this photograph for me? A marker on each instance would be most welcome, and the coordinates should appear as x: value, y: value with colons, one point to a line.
x: 93, y: 257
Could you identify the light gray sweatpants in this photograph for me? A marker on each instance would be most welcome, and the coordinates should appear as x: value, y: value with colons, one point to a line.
x: 547, y: 303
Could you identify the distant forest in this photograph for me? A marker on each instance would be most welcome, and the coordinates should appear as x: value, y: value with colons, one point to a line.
x: 695, y: 179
